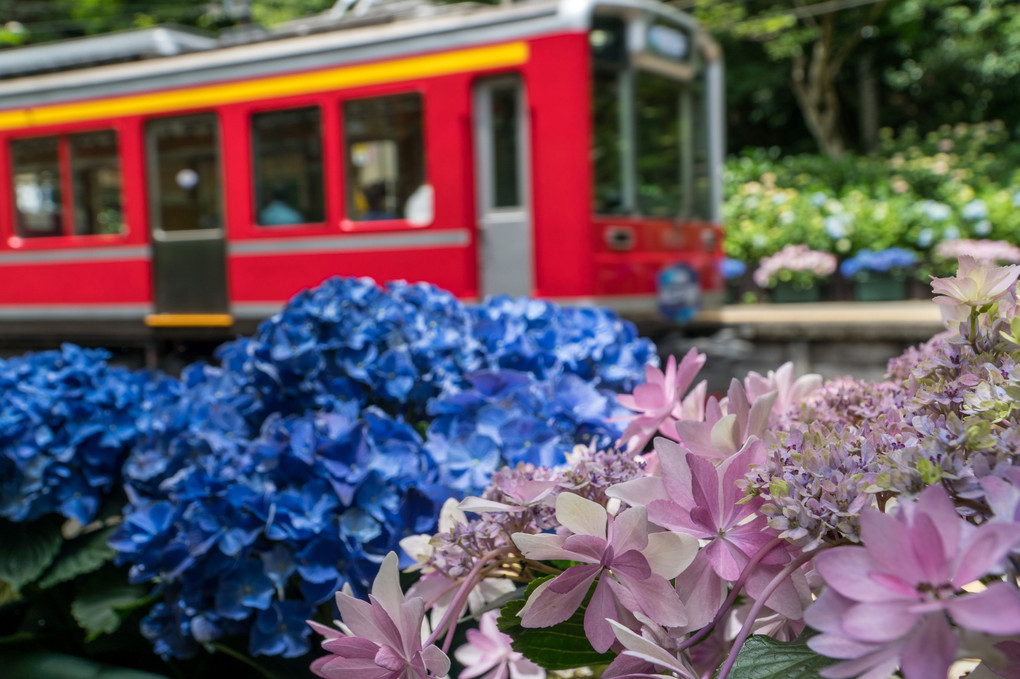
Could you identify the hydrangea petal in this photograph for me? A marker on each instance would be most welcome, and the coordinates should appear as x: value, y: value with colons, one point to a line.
x: 580, y: 515
x: 993, y: 611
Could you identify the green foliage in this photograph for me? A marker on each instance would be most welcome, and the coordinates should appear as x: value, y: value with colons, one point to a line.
x: 763, y: 657
x: 911, y: 194
x: 953, y: 60
x: 84, y: 554
x: 28, y: 549
x: 560, y: 647
x: 33, y: 665
x: 270, y: 12
x: 100, y: 609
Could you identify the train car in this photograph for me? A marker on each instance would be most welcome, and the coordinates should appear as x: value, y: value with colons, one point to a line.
x: 565, y: 149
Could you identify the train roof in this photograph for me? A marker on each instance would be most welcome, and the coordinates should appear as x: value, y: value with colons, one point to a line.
x: 349, y: 32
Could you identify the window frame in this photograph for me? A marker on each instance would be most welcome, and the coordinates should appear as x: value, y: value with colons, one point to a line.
x: 348, y: 224
x: 153, y: 195
x: 632, y: 62
x: 321, y: 107
x: 67, y: 236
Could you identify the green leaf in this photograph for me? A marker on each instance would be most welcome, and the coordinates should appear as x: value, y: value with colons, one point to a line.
x: 28, y: 549
x: 7, y: 593
x: 560, y: 647
x: 763, y: 657
x: 32, y: 665
x: 84, y: 554
x: 100, y: 611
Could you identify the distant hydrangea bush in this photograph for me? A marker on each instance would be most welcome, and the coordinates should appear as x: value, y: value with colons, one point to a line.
x: 888, y: 261
x: 791, y: 526
x: 261, y: 485
x: 798, y: 265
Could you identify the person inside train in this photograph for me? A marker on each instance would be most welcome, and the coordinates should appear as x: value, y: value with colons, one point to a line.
x: 279, y: 212
x: 375, y: 198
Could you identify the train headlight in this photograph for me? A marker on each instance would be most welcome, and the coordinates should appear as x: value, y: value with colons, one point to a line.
x: 709, y: 239
x: 620, y: 237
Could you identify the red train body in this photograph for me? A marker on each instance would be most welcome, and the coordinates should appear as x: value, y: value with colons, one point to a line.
x: 485, y: 151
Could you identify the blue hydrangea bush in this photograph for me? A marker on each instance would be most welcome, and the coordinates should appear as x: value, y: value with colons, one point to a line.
x: 262, y: 483
x: 67, y: 420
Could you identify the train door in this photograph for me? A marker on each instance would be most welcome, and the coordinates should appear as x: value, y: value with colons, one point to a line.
x: 505, y: 244
x: 186, y: 215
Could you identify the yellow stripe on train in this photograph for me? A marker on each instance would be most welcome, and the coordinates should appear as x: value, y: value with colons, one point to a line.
x: 343, y: 77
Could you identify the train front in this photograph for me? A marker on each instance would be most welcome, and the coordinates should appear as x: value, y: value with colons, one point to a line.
x: 657, y: 151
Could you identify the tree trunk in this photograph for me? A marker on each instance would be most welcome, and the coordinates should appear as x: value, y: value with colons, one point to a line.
x: 868, y: 97
x: 814, y: 85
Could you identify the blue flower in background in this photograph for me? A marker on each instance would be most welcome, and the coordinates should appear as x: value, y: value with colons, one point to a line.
x: 974, y: 210
x: 731, y: 268
x: 818, y: 199
x: 925, y: 238
x: 983, y: 228
x: 882, y: 261
x: 935, y: 211
x: 836, y: 225
x: 951, y: 233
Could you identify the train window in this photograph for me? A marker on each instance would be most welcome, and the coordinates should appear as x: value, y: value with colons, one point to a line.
x: 659, y: 128
x: 607, y: 150
x: 385, y: 153
x: 37, y: 196
x: 95, y: 183
x: 701, y: 164
x: 185, y: 184
x: 641, y: 127
x: 287, y: 150
x: 505, y: 136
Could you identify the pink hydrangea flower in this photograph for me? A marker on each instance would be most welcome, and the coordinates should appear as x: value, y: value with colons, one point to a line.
x: 975, y: 284
x: 790, y: 389
x: 891, y: 600
x: 660, y: 400
x: 381, y: 638
x: 728, y: 427
x: 633, y: 568
x: 488, y: 654
x: 696, y: 498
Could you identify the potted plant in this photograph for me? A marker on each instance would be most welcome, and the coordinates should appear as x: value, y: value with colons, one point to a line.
x: 732, y: 271
x: 879, y: 276
x: 795, y: 273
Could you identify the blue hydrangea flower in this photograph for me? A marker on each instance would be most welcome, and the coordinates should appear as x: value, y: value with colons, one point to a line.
x: 67, y: 420
x: 882, y: 261
x: 836, y: 225
x: 974, y: 210
x: 731, y: 268
x: 935, y: 211
x: 261, y: 485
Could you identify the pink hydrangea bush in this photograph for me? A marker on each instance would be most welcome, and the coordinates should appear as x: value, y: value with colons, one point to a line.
x: 795, y: 264
x: 871, y: 527
x: 986, y: 252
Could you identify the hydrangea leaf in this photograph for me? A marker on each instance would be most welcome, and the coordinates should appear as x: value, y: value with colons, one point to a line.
x: 560, y: 647
x: 82, y: 555
x: 29, y: 549
x: 763, y: 657
x: 7, y: 593
x: 100, y: 611
x: 31, y: 665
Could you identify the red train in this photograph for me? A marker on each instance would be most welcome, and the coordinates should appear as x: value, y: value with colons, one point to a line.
x: 569, y: 150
